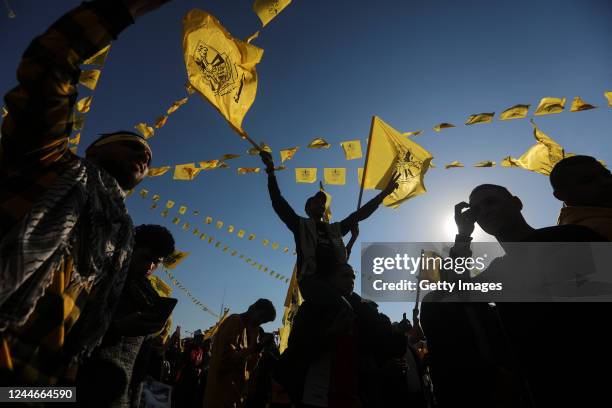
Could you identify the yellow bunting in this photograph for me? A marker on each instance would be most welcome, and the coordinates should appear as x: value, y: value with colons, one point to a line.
x: 208, y: 220
x: 453, y: 165
x: 223, y: 166
x: 98, y: 58
x: 230, y: 229
x: 285, y: 249
x: 550, y: 105
x: 267, y: 10
x: 255, y: 151
x: 275, y: 245
x: 240, y: 233
x: 161, y: 287
x: 234, y: 253
x: 486, y: 163
x: 217, y: 244
x: 78, y: 122
x: 443, y: 125
x: 84, y: 104
x: 164, y: 213
x: 89, y: 78
x: 608, y: 95
x: 327, y: 214
x: 252, y: 37
x: 391, y: 152
x: 161, y: 121
x: 196, y: 231
x: 514, y: 112
x: 75, y: 140
x: 203, y: 236
x: 4, y: 112
x: 245, y: 170
x: 175, y: 105
x: 219, y: 224
x: 229, y: 156
x: 144, y: 193
x: 186, y: 226
x: 208, y: 165
x: 153, y: 206
x: 335, y: 176
x: 305, y: 175
x: 156, y: 197
x: 220, y: 67
x: 186, y: 171
x: 170, y: 204
x: 251, y: 237
x: 176, y: 220
x: 210, y: 240
x: 287, y: 154
x: 480, y: 118
x: 280, y: 168
x: 158, y: 171
x: 352, y: 149
x: 318, y: 143
x: 182, y: 210
x: 265, y: 242
x: 146, y: 131
x: 579, y: 105
x: 415, y: 133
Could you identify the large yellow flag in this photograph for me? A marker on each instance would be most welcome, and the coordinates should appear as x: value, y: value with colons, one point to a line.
x: 266, y: 10
x: 89, y: 78
x: 305, y: 175
x: 84, y: 104
x: 186, y: 171
x: 158, y: 171
x: 293, y: 300
x: 514, y: 112
x: 287, y: 154
x: 579, y: 105
x: 608, y: 95
x: 219, y: 66
x: 336, y: 175
x: 391, y: 152
x: 480, y: 118
x: 443, y: 125
x: 360, y: 176
x: 550, y: 105
x: 453, y: 164
x: 319, y: 143
x: 539, y: 158
x: 98, y: 58
x: 352, y: 149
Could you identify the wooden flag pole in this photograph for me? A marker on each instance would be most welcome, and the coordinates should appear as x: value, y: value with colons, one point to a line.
x: 365, y: 166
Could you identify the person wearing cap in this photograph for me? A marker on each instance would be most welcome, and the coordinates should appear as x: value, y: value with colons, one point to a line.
x: 318, y: 243
x: 65, y: 235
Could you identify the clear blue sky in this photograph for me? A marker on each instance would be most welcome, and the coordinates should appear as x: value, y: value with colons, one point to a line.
x: 327, y: 67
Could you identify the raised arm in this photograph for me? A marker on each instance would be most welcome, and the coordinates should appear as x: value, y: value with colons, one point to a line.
x: 280, y: 205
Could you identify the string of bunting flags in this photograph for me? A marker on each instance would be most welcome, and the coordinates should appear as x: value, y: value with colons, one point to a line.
x: 187, y: 292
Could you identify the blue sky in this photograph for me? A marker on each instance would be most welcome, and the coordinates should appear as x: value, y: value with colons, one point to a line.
x: 327, y: 68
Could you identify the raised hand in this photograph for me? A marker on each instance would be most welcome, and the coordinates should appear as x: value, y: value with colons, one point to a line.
x: 464, y: 219
x: 266, y: 158
x: 392, y: 184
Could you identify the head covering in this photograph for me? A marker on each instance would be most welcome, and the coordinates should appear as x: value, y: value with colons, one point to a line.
x: 120, y: 136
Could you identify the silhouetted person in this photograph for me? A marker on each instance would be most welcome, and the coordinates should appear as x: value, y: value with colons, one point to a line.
x: 65, y: 234
x: 585, y: 187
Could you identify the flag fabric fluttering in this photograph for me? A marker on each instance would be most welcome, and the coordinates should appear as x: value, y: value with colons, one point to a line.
x: 186, y: 171
x: 245, y: 170
x: 220, y: 67
x: 318, y: 143
x: 485, y: 163
x: 480, y: 118
x: 228, y: 156
x: 327, y: 214
x: 514, y: 112
x: 173, y: 260
x: 305, y: 174
x: 579, y: 105
x: 254, y: 151
x: 158, y: 171
x: 453, y: 164
x: 161, y: 121
x: 608, y: 95
x: 335, y: 175
x: 389, y: 153
x: 89, y: 78
x: 441, y: 126
x: 84, y: 104
x: 293, y: 300
x: 209, y: 164
x: 287, y: 154
x: 539, y: 158
x: 99, y: 58
x: 352, y: 149
x: 550, y: 105
x: 145, y: 130
x: 175, y: 105
x: 267, y: 10
x: 414, y: 133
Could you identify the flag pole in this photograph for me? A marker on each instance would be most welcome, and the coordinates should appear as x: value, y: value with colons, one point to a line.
x: 365, y: 166
x: 415, y: 311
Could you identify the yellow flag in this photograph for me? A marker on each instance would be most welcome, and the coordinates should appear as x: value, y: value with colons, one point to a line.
x: 182, y: 210
x: 4, y: 112
x: 176, y: 220
x: 550, y: 105
x: 161, y: 287
x: 158, y: 171
x: 223, y: 165
x: 219, y: 224
x: 360, y: 176
x: 98, y: 58
x: 145, y: 130
x: 153, y: 206
x: 220, y: 67
x: 254, y: 151
x: 89, y: 78
x: 319, y: 143
x: 230, y: 229
x: 539, y: 158
x: 84, y: 104
x: 280, y: 168
x: 486, y: 163
x: 514, y: 112
x: 240, y: 233
x: 579, y: 105
x: 293, y: 300
x: 608, y: 95
x: 161, y: 121
x: 287, y: 154
x: 453, y: 164
x: 175, y: 105
x: 266, y: 10
x: 186, y: 226
x: 265, y: 242
x: 251, y: 237
x: 275, y: 245
x: 335, y: 176
x: 144, y: 193
x: 229, y: 156
x: 186, y: 171
x: 208, y: 220
x: 327, y: 214
x: 252, y: 37
x: 170, y: 204
x: 203, y: 236
x: 189, y: 88
x: 156, y: 197
x: 245, y: 170
x: 443, y: 125
x: 209, y: 165
x: 432, y: 165
x: 480, y: 118
x: 78, y: 122
x: 391, y: 152
x: 352, y: 149
x: 164, y: 213
x: 75, y: 140
x: 305, y: 175
x: 415, y: 133
x: 175, y: 259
